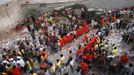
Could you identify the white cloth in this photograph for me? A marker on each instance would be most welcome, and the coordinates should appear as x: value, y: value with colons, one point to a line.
x: 31, y: 26
x: 14, y: 63
x: 112, y: 25
x: 110, y: 56
x: 93, y: 23
x: 16, y: 47
x: 5, y: 62
x: 20, y: 61
x: 72, y: 62
x: 133, y: 28
x: 11, y: 59
x: 43, y: 24
x: 47, y: 72
x: 118, y: 21
x: 74, y: 32
x: 41, y: 48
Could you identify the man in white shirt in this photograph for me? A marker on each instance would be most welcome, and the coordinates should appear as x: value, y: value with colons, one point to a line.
x: 4, y: 62
x: 20, y: 61
x: 112, y: 25
x: 118, y: 23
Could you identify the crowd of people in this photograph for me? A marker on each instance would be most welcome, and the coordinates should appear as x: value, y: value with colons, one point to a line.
x: 50, y: 32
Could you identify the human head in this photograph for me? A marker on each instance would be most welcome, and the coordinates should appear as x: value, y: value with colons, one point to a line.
x: 61, y: 55
x: 130, y: 65
x: 44, y: 49
x: 79, y: 46
x: 31, y: 72
x: 93, y: 73
x: 115, y: 48
x: 14, y: 67
x: 113, y: 45
x: 70, y: 52
x: 58, y: 60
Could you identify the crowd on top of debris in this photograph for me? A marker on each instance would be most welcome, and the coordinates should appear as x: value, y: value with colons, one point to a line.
x: 51, y: 32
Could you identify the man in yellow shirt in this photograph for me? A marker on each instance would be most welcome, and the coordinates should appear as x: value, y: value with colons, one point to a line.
x: 58, y: 65
x: 115, y: 51
x: 53, y: 69
x: 62, y: 59
x: 33, y: 73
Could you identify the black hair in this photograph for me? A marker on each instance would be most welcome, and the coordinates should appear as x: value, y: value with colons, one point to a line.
x: 70, y: 52
x: 79, y: 47
x: 31, y: 72
x: 130, y: 65
x: 14, y: 67
x: 61, y: 55
x: 113, y: 45
x: 44, y: 49
x: 66, y: 73
x: 58, y: 60
x: 93, y: 73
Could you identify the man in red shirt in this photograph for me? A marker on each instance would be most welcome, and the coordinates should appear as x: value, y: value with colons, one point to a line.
x: 113, y: 18
x: 38, y: 23
x: 41, y: 18
x: 102, y: 22
x: 84, y: 24
x: 90, y: 44
x: 92, y: 47
x: 44, y: 52
x: 86, y: 48
x: 71, y: 37
x: 89, y: 57
x: 61, y: 43
x: 84, y: 68
x: 15, y: 71
x: 79, y: 51
x: 85, y: 38
x: 124, y: 58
